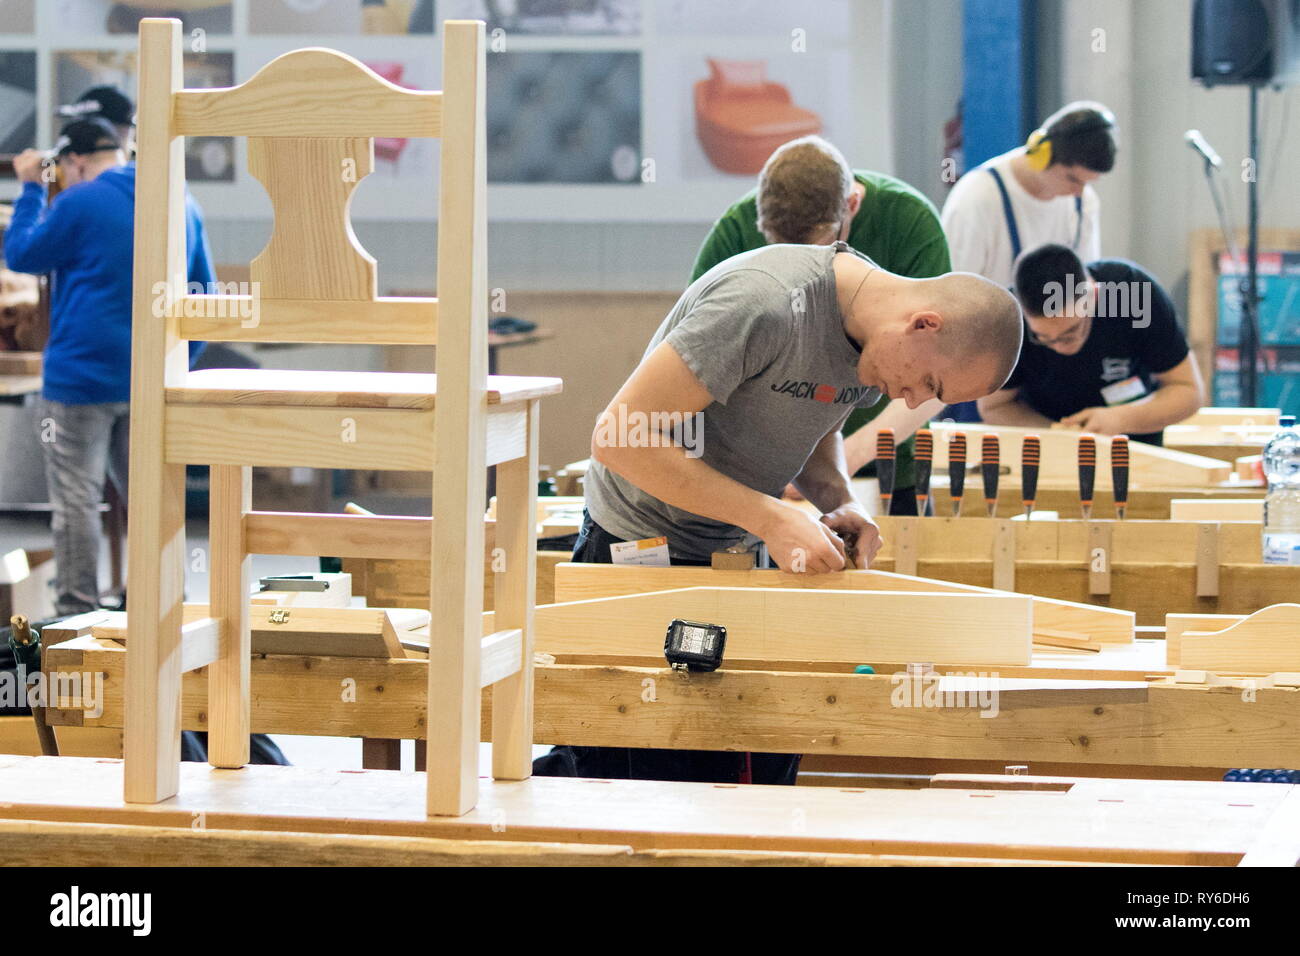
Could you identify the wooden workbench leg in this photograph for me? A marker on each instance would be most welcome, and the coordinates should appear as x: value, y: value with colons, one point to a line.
x: 381, y: 753
x: 230, y: 498
x: 516, y: 593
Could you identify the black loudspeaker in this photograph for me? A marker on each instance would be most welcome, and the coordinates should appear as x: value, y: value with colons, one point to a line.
x: 1233, y: 41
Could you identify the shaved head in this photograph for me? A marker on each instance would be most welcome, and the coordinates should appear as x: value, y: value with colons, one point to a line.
x: 982, y: 320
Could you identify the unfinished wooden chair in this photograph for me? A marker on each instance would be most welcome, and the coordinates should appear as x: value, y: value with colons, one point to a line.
x: 311, y: 117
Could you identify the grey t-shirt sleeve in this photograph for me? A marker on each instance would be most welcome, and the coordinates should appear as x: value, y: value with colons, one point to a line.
x: 734, y: 330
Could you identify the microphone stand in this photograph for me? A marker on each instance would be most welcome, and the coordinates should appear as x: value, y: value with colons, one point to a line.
x: 1247, y: 286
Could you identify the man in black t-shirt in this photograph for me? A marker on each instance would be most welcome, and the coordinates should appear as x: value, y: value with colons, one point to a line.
x: 1103, y: 351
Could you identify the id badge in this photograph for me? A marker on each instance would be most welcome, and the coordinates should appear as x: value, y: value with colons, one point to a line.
x: 651, y: 552
x: 1118, y: 393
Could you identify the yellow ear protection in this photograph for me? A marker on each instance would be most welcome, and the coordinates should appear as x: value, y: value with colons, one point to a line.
x: 1038, y: 148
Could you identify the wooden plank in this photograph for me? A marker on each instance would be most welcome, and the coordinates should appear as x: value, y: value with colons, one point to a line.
x: 905, y: 545
x: 313, y: 252
x: 1181, y: 822
x: 380, y: 439
x: 575, y: 582
x: 299, y: 387
x: 230, y: 497
x: 1219, y: 416
x: 1207, y: 559
x: 1217, y: 509
x: 501, y: 656
x: 1151, y: 466
x: 459, y: 477
x: 1004, y: 557
x: 248, y: 318
x: 799, y: 624
x: 281, y: 99
x: 1176, y: 625
x: 1278, y: 844
x: 515, y: 597
x: 159, y: 358
x: 1265, y: 642
x: 351, y: 536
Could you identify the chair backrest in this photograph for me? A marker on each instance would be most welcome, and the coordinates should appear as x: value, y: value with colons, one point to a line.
x: 311, y: 117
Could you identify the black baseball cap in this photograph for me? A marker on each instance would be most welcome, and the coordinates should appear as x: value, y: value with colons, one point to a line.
x: 85, y: 136
x: 105, y: 102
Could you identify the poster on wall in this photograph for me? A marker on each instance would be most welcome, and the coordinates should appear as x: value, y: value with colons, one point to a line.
x: 723, y: 116
x: 123, y: 16
x: 342, y: 17
x: 17, y: 16
x: 564, y: 117
x: 17, y: 101
x: 403, y: 158
x: 550, y: 17
x: 208, y: 159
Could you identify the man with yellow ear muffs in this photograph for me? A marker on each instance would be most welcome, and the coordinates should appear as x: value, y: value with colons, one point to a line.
x: 1035, y: 194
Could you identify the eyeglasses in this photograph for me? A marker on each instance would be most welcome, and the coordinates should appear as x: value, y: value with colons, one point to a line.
x: 1069, y: 335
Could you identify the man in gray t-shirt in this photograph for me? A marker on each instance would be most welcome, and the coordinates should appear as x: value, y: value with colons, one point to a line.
x: 744, y: 387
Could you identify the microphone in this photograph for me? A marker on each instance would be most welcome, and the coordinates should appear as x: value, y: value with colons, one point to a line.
x: 1194, y: 139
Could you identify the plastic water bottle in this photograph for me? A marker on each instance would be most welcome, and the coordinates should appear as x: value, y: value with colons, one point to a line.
x: 1282, y: 506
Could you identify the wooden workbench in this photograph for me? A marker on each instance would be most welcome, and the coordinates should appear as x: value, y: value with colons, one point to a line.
x: 69, y: 811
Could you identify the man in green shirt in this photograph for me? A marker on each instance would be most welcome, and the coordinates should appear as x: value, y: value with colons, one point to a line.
x: 807, y: 194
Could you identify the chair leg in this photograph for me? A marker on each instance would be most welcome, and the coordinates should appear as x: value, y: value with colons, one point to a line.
x: 156, y: 561
x: 516, y: 593
x: 230, y: 498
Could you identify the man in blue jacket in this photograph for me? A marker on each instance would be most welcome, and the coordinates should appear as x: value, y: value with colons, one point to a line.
x: 85, y: 238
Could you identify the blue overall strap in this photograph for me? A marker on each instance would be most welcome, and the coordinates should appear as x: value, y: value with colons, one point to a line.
x: 1007, y: 211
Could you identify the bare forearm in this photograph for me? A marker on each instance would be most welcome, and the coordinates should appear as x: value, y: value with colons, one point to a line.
x: 688, y: 483
x: 825, y: 479
x: 1168, y: 405
x: 860, y: 447
x: 1014, y: 412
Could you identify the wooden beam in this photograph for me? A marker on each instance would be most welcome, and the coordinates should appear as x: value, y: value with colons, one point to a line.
x: 349, y: 536
x: 1142, y: 822
x: 501, y: 656
x: 1217, y: 509
x: 247, y: 318
x: 801, y: 624
x: 576, y: 582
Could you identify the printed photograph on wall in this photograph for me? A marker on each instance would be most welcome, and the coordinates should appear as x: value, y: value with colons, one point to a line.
x: 342, y: 17
x: 550, y: 17
x: 402, y: 158
x: 17, y: 16
x: 17, y: 101
x: 124, y: 16
x: 564, y: 117
x: 728, y: 114
x: 207, y: 158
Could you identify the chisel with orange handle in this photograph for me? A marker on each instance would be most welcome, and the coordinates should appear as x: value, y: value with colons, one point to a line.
x: 1087, y: 473
x: 990, y: 464
x: 1119, y: 473
x: 1031, y: 452
x: 957, y: 470
x: 885, y: 467
x: 924, y: 456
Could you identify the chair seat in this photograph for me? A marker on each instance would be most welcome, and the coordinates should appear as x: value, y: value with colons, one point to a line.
x: 263, y: 386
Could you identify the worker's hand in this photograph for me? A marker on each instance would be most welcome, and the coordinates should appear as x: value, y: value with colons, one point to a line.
x: 27, y: 166
x: 852, y: 525
x: 799, y: 543
x: 1102, y: 421
x: 792, y: 493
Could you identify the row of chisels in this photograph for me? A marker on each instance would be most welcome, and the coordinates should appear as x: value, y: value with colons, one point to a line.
x: 990, y: 470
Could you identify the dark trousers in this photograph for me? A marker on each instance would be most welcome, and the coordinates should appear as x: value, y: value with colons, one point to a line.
x: 642, y: 763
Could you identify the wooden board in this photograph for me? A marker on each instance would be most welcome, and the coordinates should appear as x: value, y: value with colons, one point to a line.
x: 1217, y: 509
x: 1172, y: 822
x: 1263, y: 643
x: 577, y: 582
x: 797, y: 624
x: 1151, y: 466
